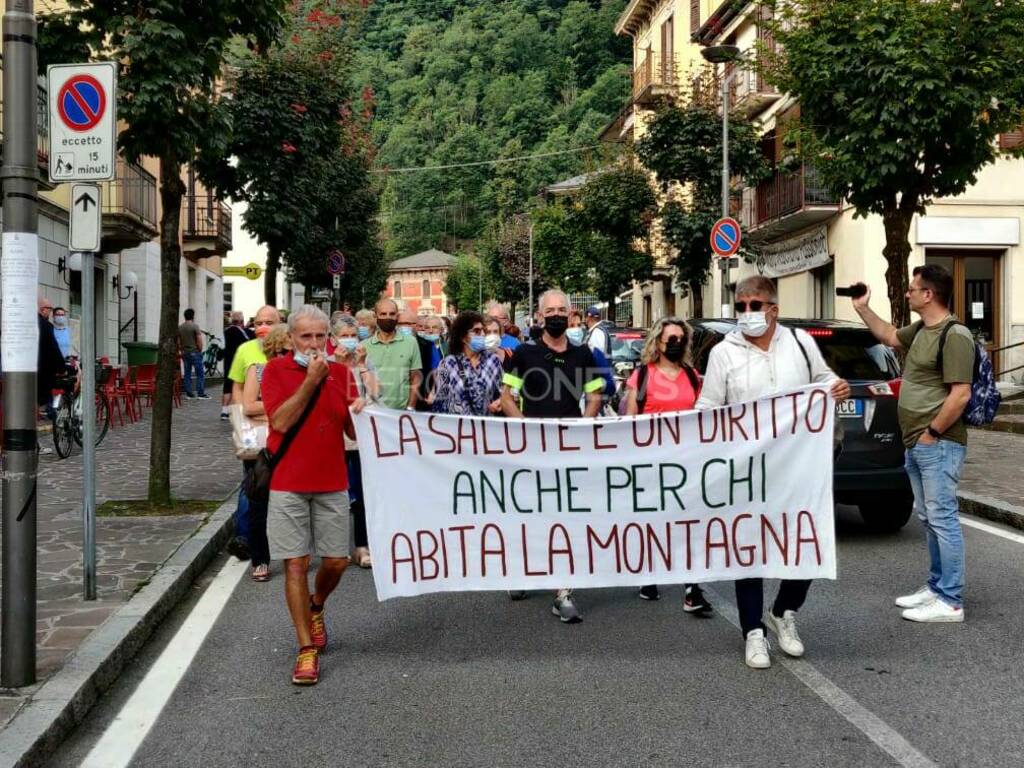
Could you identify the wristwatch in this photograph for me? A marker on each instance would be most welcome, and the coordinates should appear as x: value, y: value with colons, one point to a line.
x: 934, y: 432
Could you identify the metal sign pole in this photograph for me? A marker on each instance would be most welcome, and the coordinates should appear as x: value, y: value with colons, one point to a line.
x: 88, y: 401
x: 20, y: 341
x: 725, y: 188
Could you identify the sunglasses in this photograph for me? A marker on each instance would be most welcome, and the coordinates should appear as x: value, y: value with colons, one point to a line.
x: 755, y: 306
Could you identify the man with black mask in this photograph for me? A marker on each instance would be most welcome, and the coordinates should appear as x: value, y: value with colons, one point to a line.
x: 549, y: 379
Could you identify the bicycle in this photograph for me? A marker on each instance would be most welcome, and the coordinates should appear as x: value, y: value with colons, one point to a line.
x: 68, y: 426
x: 212, y: 355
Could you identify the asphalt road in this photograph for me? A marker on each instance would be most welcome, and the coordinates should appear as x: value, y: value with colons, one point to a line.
x: 476, y: 680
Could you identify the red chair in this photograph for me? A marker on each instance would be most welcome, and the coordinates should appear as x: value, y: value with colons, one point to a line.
x: 176, y: 393
x: 114, y: 396
x: 142, y: 381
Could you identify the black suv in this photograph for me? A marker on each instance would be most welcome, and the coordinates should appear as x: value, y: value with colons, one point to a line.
x: 869, y: 471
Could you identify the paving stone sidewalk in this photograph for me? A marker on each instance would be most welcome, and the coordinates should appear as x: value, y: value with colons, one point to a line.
x: 129, y: 549
x: 993, y: 466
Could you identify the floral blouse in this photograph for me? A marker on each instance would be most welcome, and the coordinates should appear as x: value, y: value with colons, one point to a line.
x: 465, y: 390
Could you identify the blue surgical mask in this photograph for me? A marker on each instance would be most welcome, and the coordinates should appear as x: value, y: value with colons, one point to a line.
x: 364, y: 332
x: 477, y: 343
x: 433, y: 338
x: 349, y: 343
x: 404, y: 330
x: 301, y: 360
x: 60, y: 321
x: 575, y: 336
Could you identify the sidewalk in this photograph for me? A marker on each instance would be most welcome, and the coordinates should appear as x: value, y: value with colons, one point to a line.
x: 991, y: 484
x: 129, y: 549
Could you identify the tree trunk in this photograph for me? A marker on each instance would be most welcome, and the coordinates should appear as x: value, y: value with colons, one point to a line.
x: 270, y: 277
x: 172, y: 189
x: 897, y: 250
x: 697, y: 298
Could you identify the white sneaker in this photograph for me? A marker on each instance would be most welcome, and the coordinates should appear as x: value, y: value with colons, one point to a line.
x: 934, y: 612
x: 923, y: 596
x: 757, y: 650
x: 785, y: 630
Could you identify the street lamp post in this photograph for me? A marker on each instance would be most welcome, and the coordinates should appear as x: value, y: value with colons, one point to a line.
x: 722, y: 54
x: 529, y: 311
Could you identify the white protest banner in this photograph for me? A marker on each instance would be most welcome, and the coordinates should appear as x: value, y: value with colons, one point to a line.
x: 467, y: 503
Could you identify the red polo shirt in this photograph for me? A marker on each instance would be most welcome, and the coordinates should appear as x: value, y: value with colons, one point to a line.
x: 315, y: 461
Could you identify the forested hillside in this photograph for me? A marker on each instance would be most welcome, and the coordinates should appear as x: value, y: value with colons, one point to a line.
x: 458, y: 81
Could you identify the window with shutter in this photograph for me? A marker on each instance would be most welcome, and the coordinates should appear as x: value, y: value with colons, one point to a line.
x: 694, y: 15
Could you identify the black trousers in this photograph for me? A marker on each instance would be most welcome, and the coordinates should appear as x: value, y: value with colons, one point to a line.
x: 750, y: 601
x: 355, y: 495
x: 259, y: 547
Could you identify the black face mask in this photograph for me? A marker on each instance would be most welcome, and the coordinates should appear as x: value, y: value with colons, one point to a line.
x: 556, y: 325
x: 674, y: 350
x: 388, y: 326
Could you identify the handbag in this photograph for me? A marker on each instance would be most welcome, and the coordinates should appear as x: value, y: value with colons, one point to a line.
x: 257, y: 481
x: 248, y: 435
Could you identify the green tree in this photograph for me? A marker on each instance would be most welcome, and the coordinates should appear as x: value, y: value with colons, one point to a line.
x: 467, y: 286
x: 616, y: 209
x: 901, y: 102
x: 166, y: 93
x: 683, y: 149
x: 300, y: 141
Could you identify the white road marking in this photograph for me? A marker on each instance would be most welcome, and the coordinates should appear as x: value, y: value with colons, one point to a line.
x: 125, y: 734
x: 971, y: 522
x: 881, y: 733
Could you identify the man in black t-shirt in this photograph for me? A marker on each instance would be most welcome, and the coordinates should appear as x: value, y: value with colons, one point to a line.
x: 548, y: 379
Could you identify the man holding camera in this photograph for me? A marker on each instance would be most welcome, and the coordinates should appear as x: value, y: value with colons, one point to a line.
x: 935, y: 390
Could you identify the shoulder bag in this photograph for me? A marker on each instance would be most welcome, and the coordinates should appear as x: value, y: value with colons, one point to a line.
x: 257, y: 481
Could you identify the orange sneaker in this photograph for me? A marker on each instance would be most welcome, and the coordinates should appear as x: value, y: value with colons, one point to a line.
x: 319, y: 630
x: 307, y: 667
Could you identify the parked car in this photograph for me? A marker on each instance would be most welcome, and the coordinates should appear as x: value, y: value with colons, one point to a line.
x: 869, y: 470
x: 627, y: 344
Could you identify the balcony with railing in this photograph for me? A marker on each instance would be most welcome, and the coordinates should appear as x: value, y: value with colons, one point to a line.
x: 749, y: 92
x: 788, y: 202
x: 129, y: 207
x: 43, y: 140
x: 206, y: 226
x: 655, y: 79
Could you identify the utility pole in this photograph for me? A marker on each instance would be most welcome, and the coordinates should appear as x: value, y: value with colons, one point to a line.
x: 19, y: 336
x: 723, y: 54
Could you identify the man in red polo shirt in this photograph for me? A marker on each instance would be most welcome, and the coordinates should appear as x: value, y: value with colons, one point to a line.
x: 309, y: 510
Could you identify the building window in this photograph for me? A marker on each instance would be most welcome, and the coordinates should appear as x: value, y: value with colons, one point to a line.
x: 694, y: 15
x: 397, y: 292
x: 229, y: 297
x: 825, y: 291
x: 426, y: 289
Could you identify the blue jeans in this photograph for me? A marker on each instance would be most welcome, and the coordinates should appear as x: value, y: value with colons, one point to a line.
x: 193, y: 361
x: 934, y: 472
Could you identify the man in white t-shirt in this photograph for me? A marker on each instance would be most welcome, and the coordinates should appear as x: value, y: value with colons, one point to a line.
x: 597, y: 336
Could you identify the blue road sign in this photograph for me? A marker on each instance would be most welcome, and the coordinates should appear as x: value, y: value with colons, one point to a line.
x: 725, y: 237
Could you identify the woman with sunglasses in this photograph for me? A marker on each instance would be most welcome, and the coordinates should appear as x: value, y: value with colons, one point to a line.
x: 666, y: 382
x: 469, y: 378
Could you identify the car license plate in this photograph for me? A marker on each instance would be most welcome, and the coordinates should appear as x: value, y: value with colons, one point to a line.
x: 850, y: 409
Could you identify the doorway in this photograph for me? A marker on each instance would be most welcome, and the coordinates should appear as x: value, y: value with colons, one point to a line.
x: 976, y: 292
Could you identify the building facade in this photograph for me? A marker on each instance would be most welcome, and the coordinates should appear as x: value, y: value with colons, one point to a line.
x: 417, y: 282
x: 802, y: 233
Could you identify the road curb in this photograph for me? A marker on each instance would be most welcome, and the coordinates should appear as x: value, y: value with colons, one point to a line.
x: 63, y: 701
x: 996, y: 510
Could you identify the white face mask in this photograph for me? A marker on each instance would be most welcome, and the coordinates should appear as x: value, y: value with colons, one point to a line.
x: 492, y: 341
x: 753, y: 324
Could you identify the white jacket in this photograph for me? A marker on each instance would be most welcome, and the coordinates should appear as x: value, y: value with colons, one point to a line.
x: 739, y: 371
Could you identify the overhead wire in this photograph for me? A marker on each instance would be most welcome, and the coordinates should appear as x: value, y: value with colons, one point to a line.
x: 476, y: 163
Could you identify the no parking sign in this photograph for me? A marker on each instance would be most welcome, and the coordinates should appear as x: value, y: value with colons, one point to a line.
x: 725, y: 237
x: 83, y: 121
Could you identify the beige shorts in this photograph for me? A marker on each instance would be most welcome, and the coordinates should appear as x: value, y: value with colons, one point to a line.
x: 300, y: 524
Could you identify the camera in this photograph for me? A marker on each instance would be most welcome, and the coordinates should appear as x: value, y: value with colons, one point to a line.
x: 854, y: 291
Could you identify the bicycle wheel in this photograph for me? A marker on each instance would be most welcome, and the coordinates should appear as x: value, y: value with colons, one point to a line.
x: 102, y: 418
x: 62, y: 428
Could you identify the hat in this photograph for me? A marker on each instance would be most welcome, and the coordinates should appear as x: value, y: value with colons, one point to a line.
x: 593, y: 312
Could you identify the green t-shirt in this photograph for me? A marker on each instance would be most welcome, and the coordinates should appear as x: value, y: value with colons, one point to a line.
x: 249, y: 353
x: 187, y: 333
x: 925, y: 387
x: 393, y: 361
